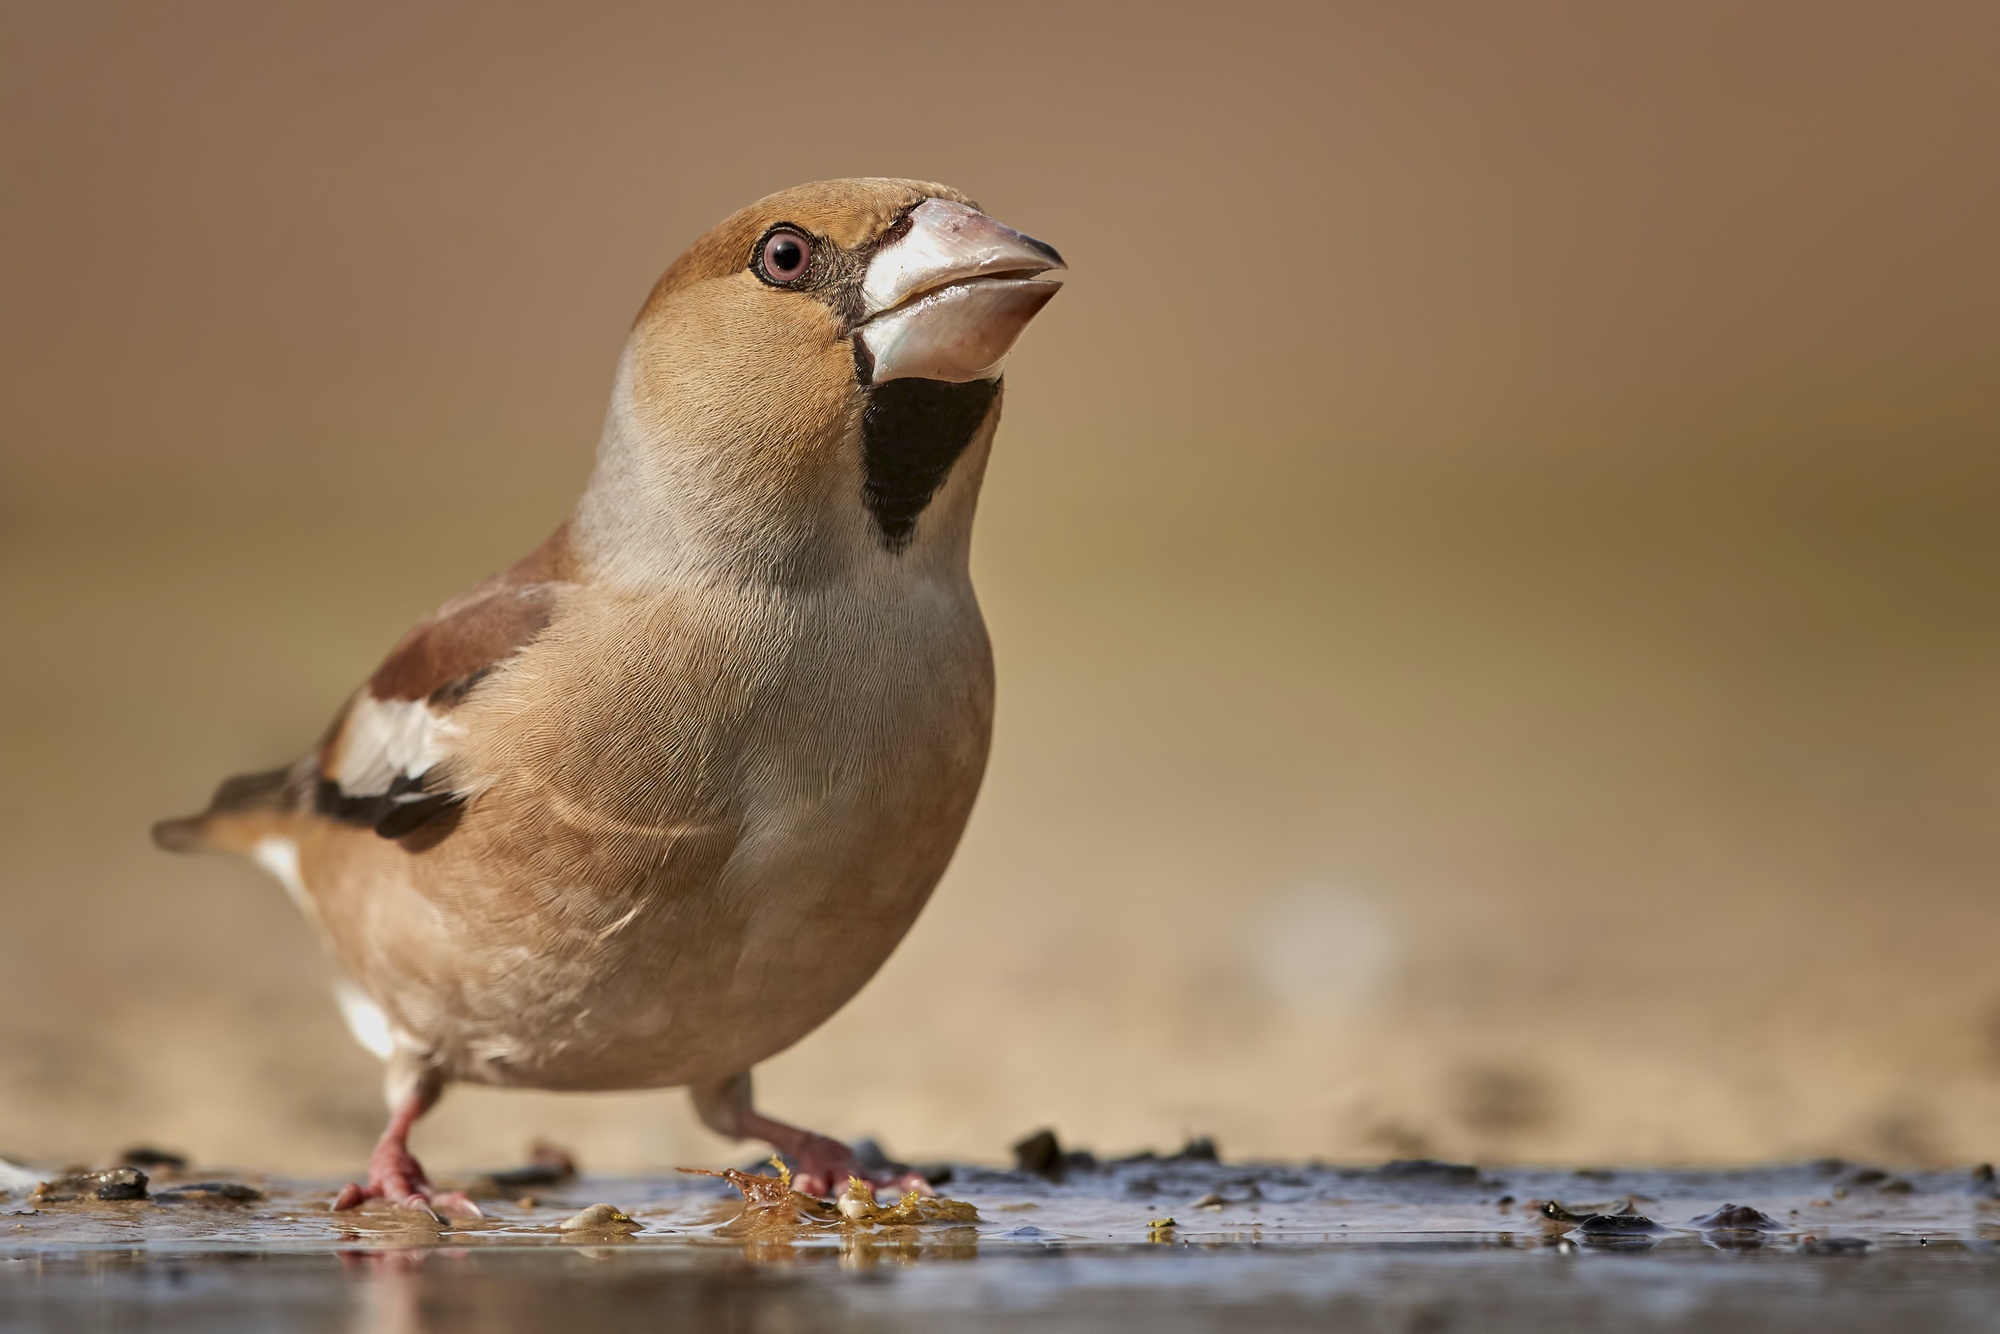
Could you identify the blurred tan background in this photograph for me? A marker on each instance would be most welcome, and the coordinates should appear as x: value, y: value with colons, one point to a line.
x: 1494, y: 557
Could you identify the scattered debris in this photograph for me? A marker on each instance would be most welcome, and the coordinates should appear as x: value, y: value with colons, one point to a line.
x: 857, y: 1205
x: 111, y: 1183
x: 770, y: 1199
x: 600, y: 1218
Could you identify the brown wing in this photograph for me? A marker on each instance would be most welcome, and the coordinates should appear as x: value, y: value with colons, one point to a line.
x: 384, y: 763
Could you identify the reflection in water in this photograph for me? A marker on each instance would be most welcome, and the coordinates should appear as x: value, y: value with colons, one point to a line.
x: 383, y: 1278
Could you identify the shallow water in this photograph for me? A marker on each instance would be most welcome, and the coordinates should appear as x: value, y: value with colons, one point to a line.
x: 1406, y: 1246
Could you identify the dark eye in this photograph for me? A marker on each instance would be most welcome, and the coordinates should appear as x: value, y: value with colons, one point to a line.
x: 785, y: 257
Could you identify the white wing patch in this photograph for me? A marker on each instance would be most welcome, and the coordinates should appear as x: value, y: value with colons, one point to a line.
x: 280, y: 856
x: 365, y: 1019
x: 383, y: 740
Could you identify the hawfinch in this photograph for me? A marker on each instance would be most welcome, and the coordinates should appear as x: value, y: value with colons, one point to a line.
x: 650, y: 805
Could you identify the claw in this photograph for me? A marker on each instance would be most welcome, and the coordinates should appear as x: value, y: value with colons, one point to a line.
x: 417, y: 1204
x: 455, y: 1204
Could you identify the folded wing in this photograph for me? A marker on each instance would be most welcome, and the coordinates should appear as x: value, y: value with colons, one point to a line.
x: 386, y: 762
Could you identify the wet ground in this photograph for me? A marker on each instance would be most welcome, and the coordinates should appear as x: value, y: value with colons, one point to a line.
x: 1170, y: 1243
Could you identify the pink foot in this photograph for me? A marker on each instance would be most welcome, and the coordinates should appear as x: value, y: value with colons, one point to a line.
x: 823, y: 1166
x: 395, y: 1175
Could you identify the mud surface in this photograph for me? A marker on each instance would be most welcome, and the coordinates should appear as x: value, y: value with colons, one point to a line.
x: 1153, y: 1243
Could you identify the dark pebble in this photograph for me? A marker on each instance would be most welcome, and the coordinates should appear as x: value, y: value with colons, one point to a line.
x: 547, y: 1165
x: 874, y: 1158
x: 1737, y: 1218
x: 1897, y: 1186
x: 1618, y: 1225
x: 209, y: 1192
x: 1835, y: 1245
x: 1867, y: 1176
x: 153, y: 1159
x: 1429, y: 1169
x: 514, y: 1179
x: 1200, y: 1149
x: 1040, y: 1153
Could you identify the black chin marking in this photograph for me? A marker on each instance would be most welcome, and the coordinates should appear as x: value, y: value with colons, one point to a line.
x: 912, y: 431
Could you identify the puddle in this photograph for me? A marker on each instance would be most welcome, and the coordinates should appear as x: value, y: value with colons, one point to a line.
x: 1182, y: 1242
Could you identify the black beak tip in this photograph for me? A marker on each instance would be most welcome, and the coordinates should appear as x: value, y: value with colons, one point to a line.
x: 1046, y: 250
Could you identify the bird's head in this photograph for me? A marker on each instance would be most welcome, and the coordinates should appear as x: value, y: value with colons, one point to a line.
x: 815, y: 382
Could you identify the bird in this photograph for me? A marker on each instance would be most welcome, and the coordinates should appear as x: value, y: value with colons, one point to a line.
x: 650, y: 805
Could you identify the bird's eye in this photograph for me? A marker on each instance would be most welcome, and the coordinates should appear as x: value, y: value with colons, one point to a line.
x: 785, y: 257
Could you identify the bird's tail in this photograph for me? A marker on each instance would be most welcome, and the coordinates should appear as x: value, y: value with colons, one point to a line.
x: 243, y: 810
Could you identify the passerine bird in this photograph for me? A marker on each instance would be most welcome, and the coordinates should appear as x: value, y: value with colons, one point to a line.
x: 649, y: 806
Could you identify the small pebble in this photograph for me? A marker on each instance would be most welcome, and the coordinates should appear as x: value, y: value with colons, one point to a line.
x: 1210, y: 1201
x: 112, y: 1183
x: 857, y: 1202
x: 600, y: 1218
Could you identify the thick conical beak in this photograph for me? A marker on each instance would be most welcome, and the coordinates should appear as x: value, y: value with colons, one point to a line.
x: 948, y: 298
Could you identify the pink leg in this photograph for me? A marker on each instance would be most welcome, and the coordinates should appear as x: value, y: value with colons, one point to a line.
x: 395, y: 1175
x: 823, y: 1165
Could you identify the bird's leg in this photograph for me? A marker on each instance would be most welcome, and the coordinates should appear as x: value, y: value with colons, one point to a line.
x: 394, y: 1174
x: 821, y: 1165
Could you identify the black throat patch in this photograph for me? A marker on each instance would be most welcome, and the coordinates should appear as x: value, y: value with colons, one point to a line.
x: 912, y: 431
